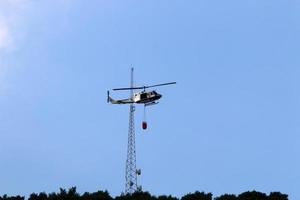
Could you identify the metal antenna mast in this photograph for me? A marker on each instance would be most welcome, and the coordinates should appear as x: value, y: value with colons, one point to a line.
x: 131, y: 171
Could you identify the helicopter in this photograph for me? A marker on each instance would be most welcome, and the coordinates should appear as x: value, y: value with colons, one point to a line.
x: 143, y: 97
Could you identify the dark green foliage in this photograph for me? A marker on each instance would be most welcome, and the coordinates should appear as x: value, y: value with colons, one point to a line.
x: 72, y: 194
x: 277, y: 196
x: 100, y: 195
x: 164, y: 197
x: 136, y: 196
x: 197, y: 196
x: 252, y: 196
x: 227, y: 197
x: 41, y: 196
x: 5, y: 197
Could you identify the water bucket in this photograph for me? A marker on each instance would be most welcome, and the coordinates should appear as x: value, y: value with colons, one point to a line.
x: 144, y: 125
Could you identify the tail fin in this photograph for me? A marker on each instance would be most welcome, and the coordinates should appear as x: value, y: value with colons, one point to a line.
x: 109, y: 99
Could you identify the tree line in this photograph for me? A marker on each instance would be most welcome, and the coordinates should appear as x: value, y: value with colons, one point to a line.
x: 72, y: 194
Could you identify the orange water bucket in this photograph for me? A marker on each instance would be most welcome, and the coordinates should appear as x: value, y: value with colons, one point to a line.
x: 144, y: 125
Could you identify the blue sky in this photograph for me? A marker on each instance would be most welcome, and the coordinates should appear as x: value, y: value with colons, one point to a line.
x: 230, y: 125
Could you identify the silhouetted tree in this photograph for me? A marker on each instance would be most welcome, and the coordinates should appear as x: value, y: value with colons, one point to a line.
x: 33, y: 196
x: 164, y: 197
x: 197, y: 196
x: 139, y: 195
x: 100, y: 195
x: 227, y: 197
x: 277, y: 196
x: 5, y: 197
x: 71, y: 194
x: 252, y: 196
x: 53, y: 196
x: 41, y: 196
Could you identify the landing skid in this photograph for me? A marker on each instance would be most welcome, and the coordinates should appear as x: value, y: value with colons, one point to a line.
x: 151, y: 103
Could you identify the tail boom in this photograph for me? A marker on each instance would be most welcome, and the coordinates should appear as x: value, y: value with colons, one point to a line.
x: 123, y: 101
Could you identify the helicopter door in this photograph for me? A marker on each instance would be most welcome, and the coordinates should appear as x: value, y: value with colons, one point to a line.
x: 143, y: 96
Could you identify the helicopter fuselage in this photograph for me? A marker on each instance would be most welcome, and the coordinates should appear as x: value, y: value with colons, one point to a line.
x: 146, y: 97
x: 143, y: 97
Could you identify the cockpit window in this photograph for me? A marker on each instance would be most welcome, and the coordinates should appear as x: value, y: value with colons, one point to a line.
x: 143, y: 95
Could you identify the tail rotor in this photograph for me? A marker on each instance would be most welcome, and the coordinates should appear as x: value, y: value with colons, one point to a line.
x: 108, y: 99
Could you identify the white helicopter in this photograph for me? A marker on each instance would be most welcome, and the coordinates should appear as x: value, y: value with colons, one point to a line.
x: 143, y: 97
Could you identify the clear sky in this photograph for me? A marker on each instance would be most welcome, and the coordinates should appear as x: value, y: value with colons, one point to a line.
x: 230, y: 125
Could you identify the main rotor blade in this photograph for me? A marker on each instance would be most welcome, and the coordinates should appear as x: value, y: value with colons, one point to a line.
x: 144, y: 87
x: 130, y: 88
x: 171, y: 83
